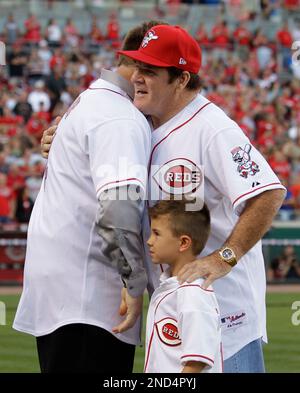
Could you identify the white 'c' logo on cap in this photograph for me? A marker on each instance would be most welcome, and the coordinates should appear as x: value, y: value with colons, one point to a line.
x: 148, y: 37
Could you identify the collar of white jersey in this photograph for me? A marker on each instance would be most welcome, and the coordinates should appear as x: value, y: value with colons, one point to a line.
x: 166, y: 278
x: 123, y: 86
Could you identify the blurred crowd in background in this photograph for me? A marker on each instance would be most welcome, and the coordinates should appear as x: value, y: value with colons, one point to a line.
x: 285, y: 266
x: 253, y: 77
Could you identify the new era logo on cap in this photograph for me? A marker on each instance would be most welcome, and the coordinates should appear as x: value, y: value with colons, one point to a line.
x: 182, y: 61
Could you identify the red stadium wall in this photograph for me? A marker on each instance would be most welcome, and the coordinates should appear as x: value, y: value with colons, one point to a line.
x: 12, y: 256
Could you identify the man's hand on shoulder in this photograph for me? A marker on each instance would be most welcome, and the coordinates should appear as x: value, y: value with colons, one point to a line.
x: 210, y: 267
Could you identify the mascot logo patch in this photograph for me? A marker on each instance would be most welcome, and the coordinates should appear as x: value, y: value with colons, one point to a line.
x: 168, y: 332
x: 246, y: 166
x: 148, y: 37
x: 178, y: 176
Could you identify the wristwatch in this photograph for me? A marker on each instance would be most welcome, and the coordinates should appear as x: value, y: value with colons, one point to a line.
x: 227, y: 255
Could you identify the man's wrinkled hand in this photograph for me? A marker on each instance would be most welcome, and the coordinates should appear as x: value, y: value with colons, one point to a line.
x: 210, y: 268
x: 131, y: 307
x: 48, y: 136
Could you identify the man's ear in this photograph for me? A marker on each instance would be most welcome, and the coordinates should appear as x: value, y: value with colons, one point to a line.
x: 183, y: 80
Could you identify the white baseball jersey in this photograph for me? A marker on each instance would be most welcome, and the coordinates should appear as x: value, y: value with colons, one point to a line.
x: 202, y: 137
x: 103, y: 141
x: 183, y: 324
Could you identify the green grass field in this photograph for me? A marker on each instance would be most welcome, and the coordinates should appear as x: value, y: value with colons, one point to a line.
x: 282, y: 354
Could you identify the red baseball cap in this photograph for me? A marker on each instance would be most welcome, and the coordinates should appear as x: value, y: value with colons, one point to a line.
x: 168, y: 46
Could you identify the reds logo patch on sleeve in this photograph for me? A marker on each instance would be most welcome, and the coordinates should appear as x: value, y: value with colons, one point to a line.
x: 246, y: 166
x: 178, y: 176
x: 168, y: 332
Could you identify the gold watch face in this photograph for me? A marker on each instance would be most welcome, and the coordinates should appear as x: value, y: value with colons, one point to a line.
x: 227, y: 253
x: 228, y: 256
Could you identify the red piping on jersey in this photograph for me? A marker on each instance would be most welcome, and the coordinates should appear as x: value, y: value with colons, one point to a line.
x: 163, y: 299
x: 174, y: 129
x: 180, y: 158
x: 118, y: 181
x: 181, y: 286
x: 103, y: 88
x: 258, y: 188
x: 173, y: 319
x: 196, y: 285
x: 148, y: 352
x: 198, y: 356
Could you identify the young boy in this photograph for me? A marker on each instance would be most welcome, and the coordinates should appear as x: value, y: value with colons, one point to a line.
x: 183, y: 329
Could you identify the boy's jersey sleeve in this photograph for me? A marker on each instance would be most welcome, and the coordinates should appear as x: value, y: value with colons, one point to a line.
x: 198, y: 324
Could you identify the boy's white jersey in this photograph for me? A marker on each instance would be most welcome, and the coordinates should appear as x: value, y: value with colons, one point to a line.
x: 102, y: 141
x: 183, y: 324
x: 202, y: 149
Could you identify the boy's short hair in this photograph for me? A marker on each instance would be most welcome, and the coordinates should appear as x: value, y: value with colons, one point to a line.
x: 134, y: 38
x: 195, y: 224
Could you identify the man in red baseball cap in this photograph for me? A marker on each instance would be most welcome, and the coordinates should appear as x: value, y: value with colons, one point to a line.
x: 166, y: 78
x: 191, y: 132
